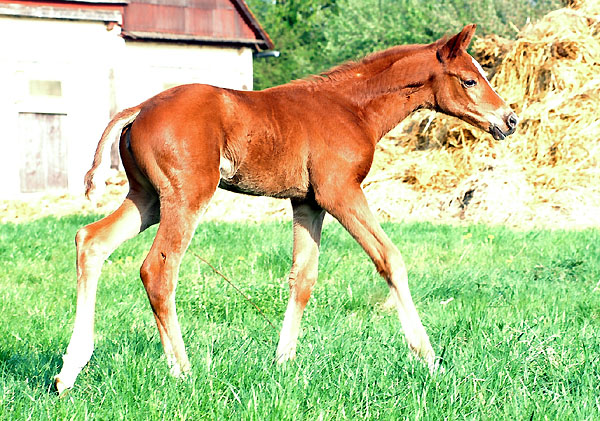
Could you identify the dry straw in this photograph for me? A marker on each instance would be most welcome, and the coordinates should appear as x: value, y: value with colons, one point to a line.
x: 548, y: 173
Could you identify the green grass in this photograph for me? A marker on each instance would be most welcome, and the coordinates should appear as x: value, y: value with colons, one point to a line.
x: 520, y: 337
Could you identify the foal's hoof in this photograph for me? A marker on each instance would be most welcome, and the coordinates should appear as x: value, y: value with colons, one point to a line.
x: 180, y: 373
x: 436, y: 367
x: 434, y: 363
x: 61, y: 388
x: 284, y: 356
x: 428, y: 357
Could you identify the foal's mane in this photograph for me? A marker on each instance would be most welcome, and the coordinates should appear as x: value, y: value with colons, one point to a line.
x: 369, y: 65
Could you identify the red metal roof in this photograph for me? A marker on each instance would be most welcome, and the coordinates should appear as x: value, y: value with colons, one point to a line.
x: 195, y: 21
x: 208, y: 21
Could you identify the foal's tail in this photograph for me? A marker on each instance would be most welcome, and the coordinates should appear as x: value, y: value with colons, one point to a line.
x: 114, y: 128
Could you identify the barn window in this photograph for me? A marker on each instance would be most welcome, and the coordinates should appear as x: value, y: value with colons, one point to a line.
x: 52, y: 88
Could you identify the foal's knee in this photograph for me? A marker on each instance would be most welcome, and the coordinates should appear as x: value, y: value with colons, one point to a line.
x: 88, y: 245
x: 81, y: 239
x: 391, y: 267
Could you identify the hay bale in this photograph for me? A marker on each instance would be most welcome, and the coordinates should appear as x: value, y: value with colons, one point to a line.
x: 490, y: 51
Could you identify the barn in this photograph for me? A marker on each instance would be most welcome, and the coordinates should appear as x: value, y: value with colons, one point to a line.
x: 67, y: 66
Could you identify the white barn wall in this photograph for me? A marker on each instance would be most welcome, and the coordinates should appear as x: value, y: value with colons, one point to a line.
x: 148, y: 68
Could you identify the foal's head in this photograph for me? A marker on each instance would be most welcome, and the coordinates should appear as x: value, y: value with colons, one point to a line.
x: 462, y: 90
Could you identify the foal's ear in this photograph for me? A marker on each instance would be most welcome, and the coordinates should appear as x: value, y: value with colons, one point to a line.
x: 457, y: 43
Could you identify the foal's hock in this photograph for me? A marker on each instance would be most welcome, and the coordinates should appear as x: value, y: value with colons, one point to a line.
x: 311, y: 141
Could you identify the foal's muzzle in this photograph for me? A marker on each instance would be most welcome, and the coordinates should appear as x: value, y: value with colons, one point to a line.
x: 511, y: 122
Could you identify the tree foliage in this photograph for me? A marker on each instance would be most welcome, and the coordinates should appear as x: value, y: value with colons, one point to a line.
x: 297, y: 28
x: 313, y: 35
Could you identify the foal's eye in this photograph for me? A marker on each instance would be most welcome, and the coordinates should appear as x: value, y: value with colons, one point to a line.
x: 469, y: 83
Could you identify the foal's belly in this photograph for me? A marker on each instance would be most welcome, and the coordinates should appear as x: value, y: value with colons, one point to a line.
x: 265, y: 178
x: 289, y: 193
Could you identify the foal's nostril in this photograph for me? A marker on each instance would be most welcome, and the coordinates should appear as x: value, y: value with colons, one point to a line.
x: 512, y: 121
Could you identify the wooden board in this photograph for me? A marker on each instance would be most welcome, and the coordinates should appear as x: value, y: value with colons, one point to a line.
x: 44, y: 152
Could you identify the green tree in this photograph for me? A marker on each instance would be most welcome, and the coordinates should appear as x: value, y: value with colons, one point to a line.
x: 297, y: 28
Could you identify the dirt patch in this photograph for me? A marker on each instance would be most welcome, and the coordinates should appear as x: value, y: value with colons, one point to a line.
x: 498, y: 194
x: 224, y: 205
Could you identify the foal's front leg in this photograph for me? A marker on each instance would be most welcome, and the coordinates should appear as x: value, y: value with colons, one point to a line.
x: 308, y: 222
x: 350, y: 208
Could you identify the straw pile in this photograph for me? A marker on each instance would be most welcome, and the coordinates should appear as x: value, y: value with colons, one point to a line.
x: 547, y: 174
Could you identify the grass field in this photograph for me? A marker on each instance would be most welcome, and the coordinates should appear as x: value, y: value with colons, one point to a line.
x: 516, y: 316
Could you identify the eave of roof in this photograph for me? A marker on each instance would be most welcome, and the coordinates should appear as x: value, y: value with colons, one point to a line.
x: 193, y: 39
x: 107, y: 11
x: 243, y: 7
x: 100, y: 2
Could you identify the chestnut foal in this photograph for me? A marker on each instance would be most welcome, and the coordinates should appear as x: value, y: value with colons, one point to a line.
x: 311, y: 141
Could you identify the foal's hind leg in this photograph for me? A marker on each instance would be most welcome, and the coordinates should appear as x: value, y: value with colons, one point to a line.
x: 95, y: 242
x: 308, y: 222
x: 179, y: 217
x: 351, y: 209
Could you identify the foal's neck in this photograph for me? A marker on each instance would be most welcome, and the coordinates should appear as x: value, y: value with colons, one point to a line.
x: 386, y: 111
x: 388, y: 88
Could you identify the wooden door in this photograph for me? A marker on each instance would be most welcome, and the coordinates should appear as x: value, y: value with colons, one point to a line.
x: 44, y: 156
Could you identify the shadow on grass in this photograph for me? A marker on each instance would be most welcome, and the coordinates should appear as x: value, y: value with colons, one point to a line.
x: 34, y: 368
